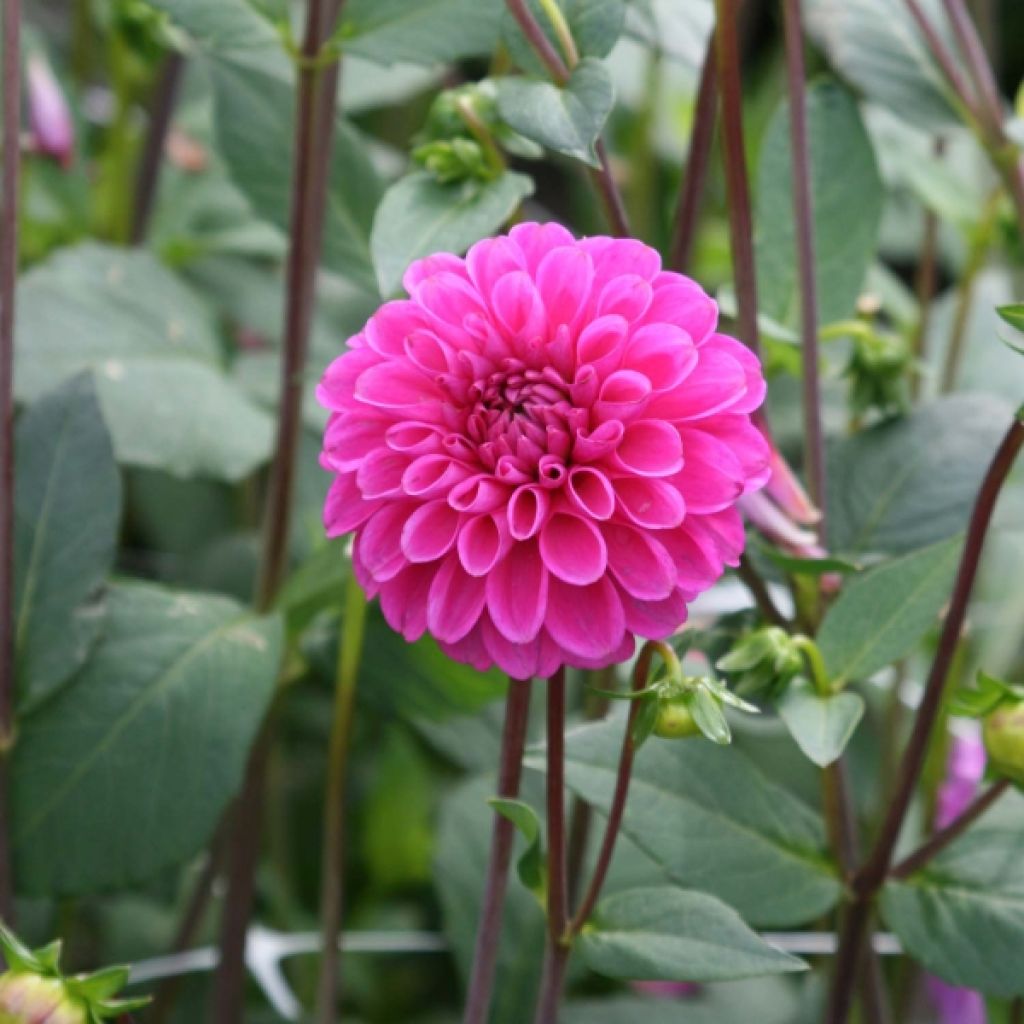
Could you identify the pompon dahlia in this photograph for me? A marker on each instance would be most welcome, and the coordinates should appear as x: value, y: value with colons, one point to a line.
x: 540, y: 450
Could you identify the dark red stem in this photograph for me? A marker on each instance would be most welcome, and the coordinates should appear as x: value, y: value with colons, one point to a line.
x: 8, y: 280
x: 803, y: 212
x: 488, y: 935
x: 698, y: 159
x: 870, y: 878
x: 956, y: 828
x: 741, y: 225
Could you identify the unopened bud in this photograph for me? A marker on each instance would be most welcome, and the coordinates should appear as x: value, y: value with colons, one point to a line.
x: 27, y: 998
x: 674, y: 721
x: 1003, y: 732
x: 50, y: 124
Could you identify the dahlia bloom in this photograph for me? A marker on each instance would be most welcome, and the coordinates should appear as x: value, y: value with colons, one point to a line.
x: 540, y: 450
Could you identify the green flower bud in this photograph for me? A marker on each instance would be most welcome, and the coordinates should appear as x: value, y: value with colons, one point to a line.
x: 27, y: 998
x: 765, y: 659
x: 1003, y: 732
x: 877, y: 370
x: 674, y: 721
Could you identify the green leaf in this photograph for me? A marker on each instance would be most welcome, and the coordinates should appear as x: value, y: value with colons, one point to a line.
x: 129, y: 768
x: 809, y: 566
x: 567, y: 119
x: 463, y: 844
x: 531, y: 864
x: 420, y: 31
x: 255, y: 116
x: 669, y: 934
x: 821, y: 726
x: 418, y: 216
x: 882, y: 614
x: 987, y: 696
x: 847, y: 194
x: 230, y: 30
x: 1013, y: 315
x: 713, y: 821
x: 102, y: 984
x: 877, y: 46
x: 595, y: 26
x: 154, y: 355
x: 912, y: 481
x: 709, y: 716
x: 67, y: 511
x: 16, y: 954
x: 965, y: 911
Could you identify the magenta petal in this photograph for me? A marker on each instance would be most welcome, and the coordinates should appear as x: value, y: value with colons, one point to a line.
x: 663, y: 353
x: 455, y: 601
x: 481, y: 544
x: 641, y: 565
x: 535, y: 241
x: 587, y: 621
x: 336, y: 389
x: 680, y: 301
x: 396, y: 385
x: 490, y: 259
x: 430, y: 532
x: 380, y: 473
x: 712, y: 478
x: 755, y: 388
x: 746, y: 443
x: 403, y: 600
x: 350, y: 438
x: 718, y: 382
x: 627, y: 296
x: 346, y: 509
x: 573, y: 549
x: 564, y: 278
x: 517, y: 593
x: 519, y: 307
x: 527, y: 511
x: 388, y: 328
x: 380, y: 541
x: 601, y: 343
x: 596, y: 444
x: 470, y: 649
x: 655, y: 620
x: 623, y: 396
x: 650, y: 502
x: 591, y: 492
x: 615, y: 256
x: 650, y: 448
x: 432, y: 476
x: 480, y: 493
x: 519, y: 661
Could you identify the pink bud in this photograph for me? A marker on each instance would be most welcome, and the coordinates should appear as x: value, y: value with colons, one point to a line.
x: 788, y: 492
x: 50, y: 124
x: 767, y: 517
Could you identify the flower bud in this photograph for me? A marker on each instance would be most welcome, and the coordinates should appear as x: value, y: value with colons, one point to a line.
x: 674, y: 721
x: 27, y: 998
x: 877, y: 370
x: 767, y: 658
x: 1003, y: 732
x: 52, y: 130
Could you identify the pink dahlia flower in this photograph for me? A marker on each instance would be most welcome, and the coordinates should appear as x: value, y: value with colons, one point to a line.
x: 540, y: 450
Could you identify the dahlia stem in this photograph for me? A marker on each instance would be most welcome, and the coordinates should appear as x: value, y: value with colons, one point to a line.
x: 762, y: 596
x: 602, y: 177
x: 698, y: 160
x: 353, y: 625
x: 557, y: 950
x: 956, y: 828
x: 488, y: 935
x: 165, y: 96
x: 803, y: 213
x: 8, y: 280
x: 741, y: 227
x: 870, y: 878
x: 925, y: 282
x: 317, y: 90
x: 618, y: 805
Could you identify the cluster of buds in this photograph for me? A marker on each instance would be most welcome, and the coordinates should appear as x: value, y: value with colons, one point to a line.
x: 877, y: 371
x: 51, y: 128
x: 33, y: 990
x: 764, y: 661
x: 461, y: 137
x: 1000, y: 706
x: 677, y: 705
x: 783, y: 512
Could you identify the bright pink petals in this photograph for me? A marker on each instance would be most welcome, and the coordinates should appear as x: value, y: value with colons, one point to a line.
x: 540, y: 451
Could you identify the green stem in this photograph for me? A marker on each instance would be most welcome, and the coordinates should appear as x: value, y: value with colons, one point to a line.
x: 816, y: 663
x: 353, y: 628
x: 562, y: 31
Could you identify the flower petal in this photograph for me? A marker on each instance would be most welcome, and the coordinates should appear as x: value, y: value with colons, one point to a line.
x: 587, y: 621
x: 640, y: 564
x: 573, y: 549
x: 430, y: 532
x: 454, y: 602
x: 517, y: 593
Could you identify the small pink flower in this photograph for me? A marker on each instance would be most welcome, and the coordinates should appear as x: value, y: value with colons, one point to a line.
x: 51, y: 128
x: 540, y: 451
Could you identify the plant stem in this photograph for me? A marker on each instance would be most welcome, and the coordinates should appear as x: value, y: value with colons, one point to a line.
x: 488, y: 935
x: 814, y: 439
x: 754, y: 582
x: 698, y: 160
x: 868, y: 880
x: 978, y: 66
x: 353, y: 623
x: 925, y: 283
x: 741, y: 229
x: 953, y: 830
x: 167, y: 990
x: 556, y: 953
x: 1017, y: 1011
x: 602, y: 177
x: 618, y: 804
x: 8, y: 283
x: 165, y: 96
x: 314, y: 123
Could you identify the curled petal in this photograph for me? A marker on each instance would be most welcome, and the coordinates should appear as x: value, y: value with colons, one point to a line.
x: 650, y: 448
x: 430, y: 532
x: 573, y: 549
